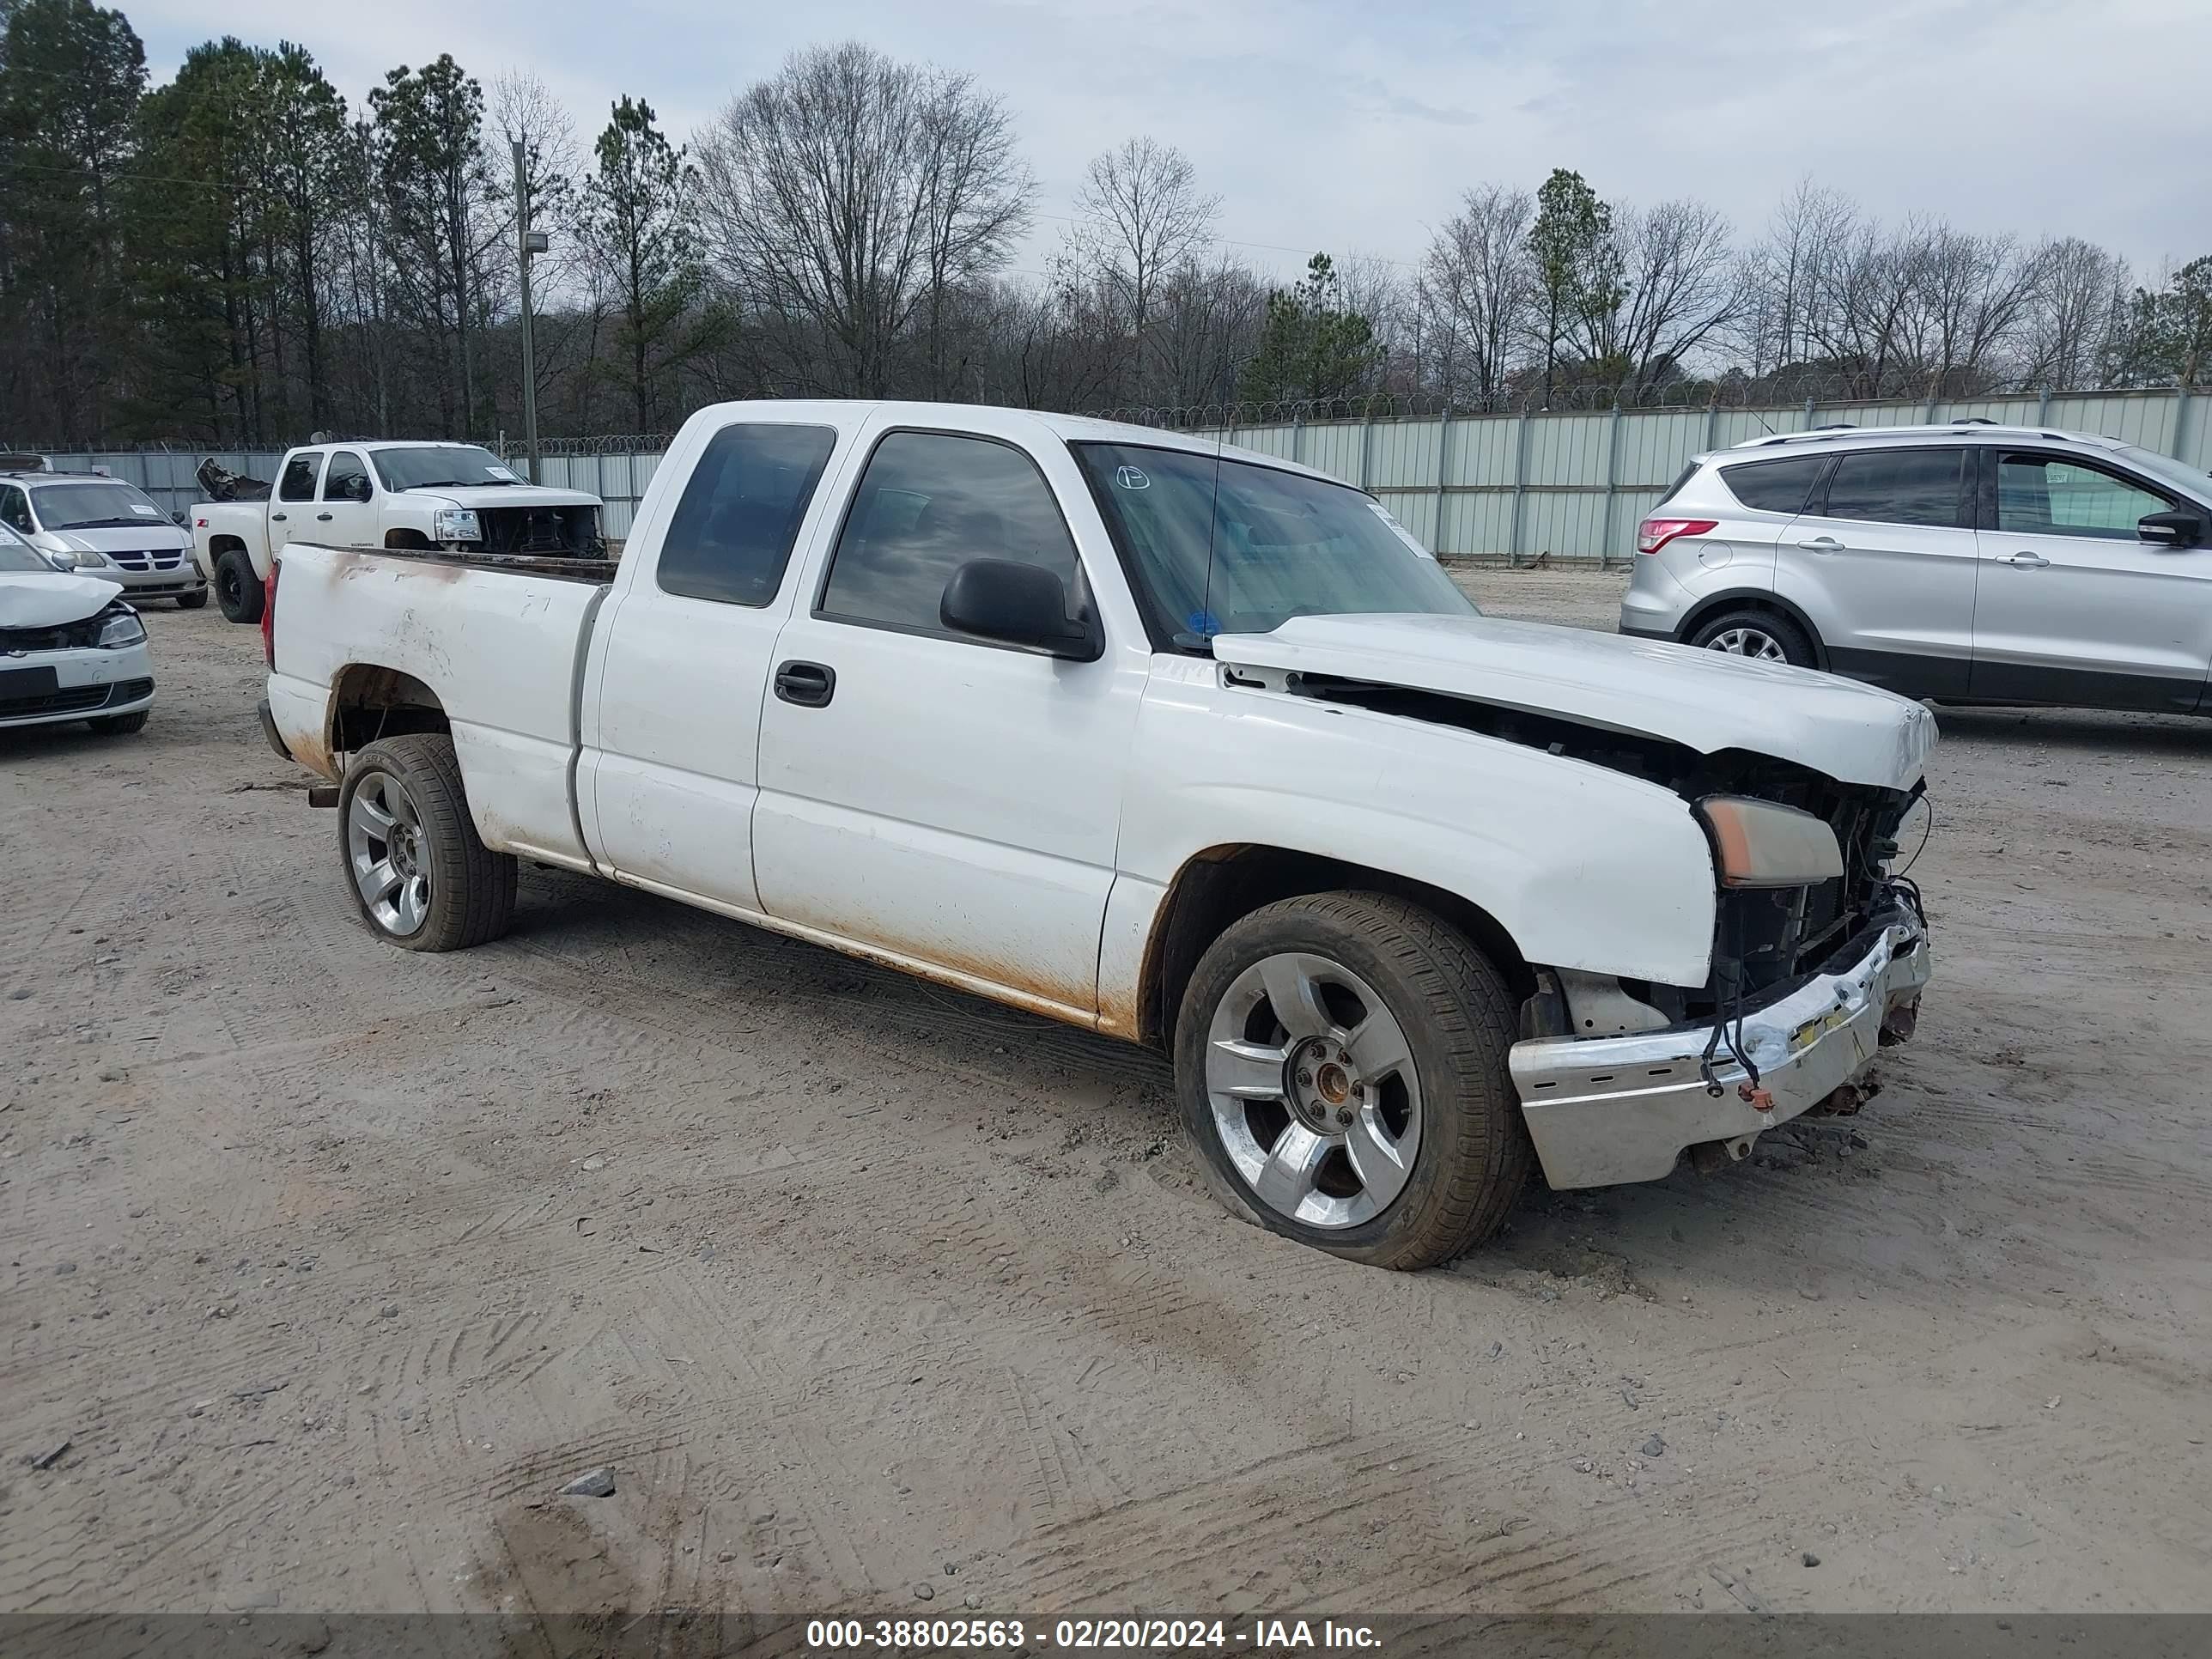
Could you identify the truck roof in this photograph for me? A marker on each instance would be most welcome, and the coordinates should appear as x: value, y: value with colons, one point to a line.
x: 1072, y: 428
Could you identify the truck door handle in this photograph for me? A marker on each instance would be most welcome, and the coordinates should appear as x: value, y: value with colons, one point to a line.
x: 808, y: 684
x: 322, y: 518
x: 276, y: 517
x: 2025, y: 561
x: 1822, y: 545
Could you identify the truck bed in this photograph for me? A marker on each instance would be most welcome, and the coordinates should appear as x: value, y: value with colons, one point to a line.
x: 497, y: 642
x: 561, y: 569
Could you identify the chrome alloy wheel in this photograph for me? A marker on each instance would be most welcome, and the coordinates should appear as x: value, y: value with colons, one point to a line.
x: 1312, y: 1090
x: 384, y: 849
x: 1748, y: 642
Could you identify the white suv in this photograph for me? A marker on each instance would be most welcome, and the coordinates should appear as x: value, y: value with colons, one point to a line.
x: 1963, y: 563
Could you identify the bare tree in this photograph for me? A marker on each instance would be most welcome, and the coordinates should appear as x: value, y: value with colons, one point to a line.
x: 977, y: 198
x: 2071, y: 335
x: 1790, y: 276
x: 833, y: 193
x: 1140, y: 217
x: 1975, y: 292
x: 1681, y: 282
x: 1479, y: 288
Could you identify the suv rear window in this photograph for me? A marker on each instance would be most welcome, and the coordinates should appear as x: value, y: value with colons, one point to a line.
x: 1775, y: 486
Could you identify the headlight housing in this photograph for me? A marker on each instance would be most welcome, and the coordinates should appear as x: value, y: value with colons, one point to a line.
x: 457, y: 524
x: 85, y: 559
x: 122, y: 629
x: 1760, y: 843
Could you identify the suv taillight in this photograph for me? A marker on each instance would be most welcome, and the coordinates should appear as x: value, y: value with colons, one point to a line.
x: 269, y: 616
x: 1655, y: 533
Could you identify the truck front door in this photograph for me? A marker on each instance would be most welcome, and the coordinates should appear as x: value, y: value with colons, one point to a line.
x: 950, y: 800
x: 346, y: 515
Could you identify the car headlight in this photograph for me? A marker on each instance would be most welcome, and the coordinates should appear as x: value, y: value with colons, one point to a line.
x: 1758, y: 843
x: 121, y: 629
x: 86, y: 559
x: 457, y: 524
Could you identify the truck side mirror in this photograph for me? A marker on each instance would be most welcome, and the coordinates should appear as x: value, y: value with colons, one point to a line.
x: 2179, y: 529
x: 1019, y: 604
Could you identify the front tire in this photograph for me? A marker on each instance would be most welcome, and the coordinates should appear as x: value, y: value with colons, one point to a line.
x: 120, y: 725
x: 193, y: 600
x: 237, y: 589
x: 1759, y: 634
x: 1341, y: 1059
x: 421, y: 877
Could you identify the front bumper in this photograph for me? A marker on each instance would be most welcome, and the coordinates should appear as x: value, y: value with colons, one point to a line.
x: 183, y: 578
x: 1619, y: 1109
x: 92, y: 682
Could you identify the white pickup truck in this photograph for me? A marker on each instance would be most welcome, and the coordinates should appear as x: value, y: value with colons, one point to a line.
x: 1172, y: 741
x: 459, y: 497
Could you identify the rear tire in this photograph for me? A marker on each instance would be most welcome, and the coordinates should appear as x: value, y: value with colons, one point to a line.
x: 237, y: 589
x: 421, y: 877
x: 193, y: 600
x: 1760, y: 634
x: 119, y: 726
x: 1376, y: 1120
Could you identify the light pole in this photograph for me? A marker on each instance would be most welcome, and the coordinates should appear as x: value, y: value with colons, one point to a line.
x: 529, y: 244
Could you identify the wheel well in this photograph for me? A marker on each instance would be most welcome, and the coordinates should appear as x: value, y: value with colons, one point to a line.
x: 407, y: 538
x: 1222, y: 884
x: 1773, y: 604
x: 219, y: 545
x: 368, y: 703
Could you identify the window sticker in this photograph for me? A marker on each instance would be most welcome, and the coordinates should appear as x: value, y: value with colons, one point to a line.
x: 1401, y: 531
x: 1132, y: 477
x: 502, y: 474
x: 143, y: 511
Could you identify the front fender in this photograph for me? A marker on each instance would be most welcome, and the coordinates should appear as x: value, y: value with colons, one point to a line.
x: 1582, y: 866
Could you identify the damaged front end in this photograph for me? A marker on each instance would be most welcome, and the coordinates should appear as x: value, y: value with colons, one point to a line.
x: 1819, y: 955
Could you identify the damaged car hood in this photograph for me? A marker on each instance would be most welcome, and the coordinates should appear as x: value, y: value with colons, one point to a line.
x: 29, y: 599
x: 1707, y: 700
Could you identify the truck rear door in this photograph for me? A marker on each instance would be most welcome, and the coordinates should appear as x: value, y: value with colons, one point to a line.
x: 950, y: 800
x: 292, y: 504
x: 669, y: 772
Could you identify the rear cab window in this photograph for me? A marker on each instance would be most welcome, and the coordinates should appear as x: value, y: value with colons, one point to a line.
x: 732, y: 531
x: 298, y: 484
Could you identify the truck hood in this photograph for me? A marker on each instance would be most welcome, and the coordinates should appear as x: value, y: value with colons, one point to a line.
x: 498, y: 495
x: 1705, y: 700
x: 31, y: 599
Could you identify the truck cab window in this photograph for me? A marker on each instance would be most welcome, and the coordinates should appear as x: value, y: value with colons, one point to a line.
x: 732, y: 533
x: 299, y: 482
x: 929, y: 502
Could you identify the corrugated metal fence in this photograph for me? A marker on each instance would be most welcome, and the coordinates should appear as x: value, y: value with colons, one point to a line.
x: 1575, y: 486
x: 1514, y: 487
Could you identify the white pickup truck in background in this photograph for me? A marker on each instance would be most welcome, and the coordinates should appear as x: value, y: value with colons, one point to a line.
x: 459, y: 497
x: 1180, y: 744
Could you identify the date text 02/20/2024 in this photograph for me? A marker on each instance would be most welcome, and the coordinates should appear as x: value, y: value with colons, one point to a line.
x: 1089, y: 1634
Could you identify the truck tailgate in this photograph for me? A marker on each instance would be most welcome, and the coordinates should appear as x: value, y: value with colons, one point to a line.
x: 500, y: 648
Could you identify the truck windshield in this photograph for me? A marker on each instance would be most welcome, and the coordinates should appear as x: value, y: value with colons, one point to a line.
x: 441, y: 465
x: 102, y: 505
x: 1228, y: 547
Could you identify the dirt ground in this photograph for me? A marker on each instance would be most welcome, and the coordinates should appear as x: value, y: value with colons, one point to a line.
x: 330, y: 1264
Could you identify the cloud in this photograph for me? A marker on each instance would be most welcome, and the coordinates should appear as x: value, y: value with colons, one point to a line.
x: 1354, y: 127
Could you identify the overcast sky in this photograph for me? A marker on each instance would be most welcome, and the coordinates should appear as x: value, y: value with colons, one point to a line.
x: 1354, y: 126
